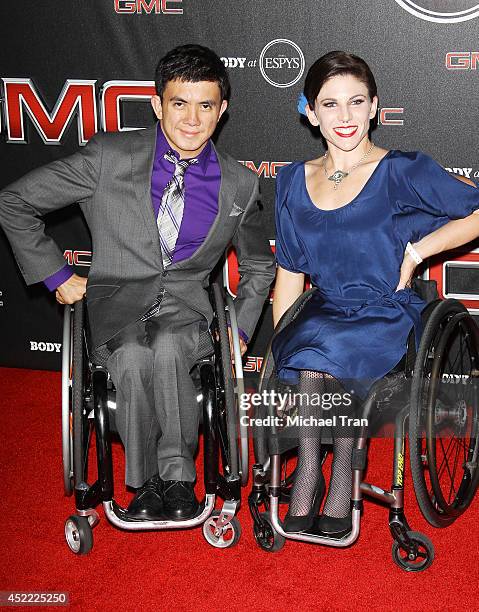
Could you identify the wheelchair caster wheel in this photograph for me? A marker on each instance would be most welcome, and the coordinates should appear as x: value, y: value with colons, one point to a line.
x: 267, y: 538
x: 79, y: 534
x: 221, y: 537
x: 417, y: 560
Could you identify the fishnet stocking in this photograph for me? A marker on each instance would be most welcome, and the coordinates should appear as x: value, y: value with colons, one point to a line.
x: 308, y: 472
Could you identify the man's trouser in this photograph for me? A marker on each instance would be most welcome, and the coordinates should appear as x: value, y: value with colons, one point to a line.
x: 157, y: 414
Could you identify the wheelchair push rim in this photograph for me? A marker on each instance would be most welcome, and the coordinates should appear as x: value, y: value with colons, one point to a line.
x: 76, y: 426
x: 67, y: 442
x: 239, y: 390
x: 228, y: 418
x: 444, y: 419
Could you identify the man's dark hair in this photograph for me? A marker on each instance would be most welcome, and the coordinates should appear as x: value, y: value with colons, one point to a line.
x: 333, y: 64
x: 192, y: 63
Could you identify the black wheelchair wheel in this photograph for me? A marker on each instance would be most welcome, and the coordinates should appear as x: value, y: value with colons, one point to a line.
x: 266, y: 537
x: 444, y: 415
x: 228, y: 417
x: 80, y: 422
x: 418, y: 557
x: 267, y: 379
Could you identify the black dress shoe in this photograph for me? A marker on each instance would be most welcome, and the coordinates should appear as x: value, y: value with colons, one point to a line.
x: 335, y: 527
x: 296, y: 523
x: 147, y: 504
x: 179, y: 500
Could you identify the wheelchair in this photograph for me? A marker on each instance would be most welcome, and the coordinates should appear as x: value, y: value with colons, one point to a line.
x: 434, y: 395
x: 89, y: 403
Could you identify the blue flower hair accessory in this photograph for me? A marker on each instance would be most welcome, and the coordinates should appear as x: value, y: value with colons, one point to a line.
x: 302, y: 103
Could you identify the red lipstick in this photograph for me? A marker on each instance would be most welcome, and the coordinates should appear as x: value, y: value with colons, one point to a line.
x: 351, y: 131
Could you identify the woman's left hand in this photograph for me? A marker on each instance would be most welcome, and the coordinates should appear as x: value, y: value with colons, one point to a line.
x: 407, y: 271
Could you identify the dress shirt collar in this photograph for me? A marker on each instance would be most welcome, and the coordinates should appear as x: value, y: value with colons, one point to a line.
x: 162, y: 146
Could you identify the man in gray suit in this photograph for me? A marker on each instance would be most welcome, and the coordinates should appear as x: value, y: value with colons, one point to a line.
x: 162, y: 204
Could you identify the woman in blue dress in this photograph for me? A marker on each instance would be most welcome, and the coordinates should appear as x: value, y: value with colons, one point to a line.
x: 357, y: 220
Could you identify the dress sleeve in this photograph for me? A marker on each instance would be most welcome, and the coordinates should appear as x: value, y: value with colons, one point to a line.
x: 289, y: 253
x: 429, y: 197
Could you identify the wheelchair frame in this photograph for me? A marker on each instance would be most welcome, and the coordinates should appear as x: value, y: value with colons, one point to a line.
x: 411, y: 550
x: 220, y: 429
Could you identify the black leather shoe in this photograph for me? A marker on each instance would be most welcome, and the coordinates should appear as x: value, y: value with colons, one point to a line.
x: 335, y: 527
x: 179, y: 500
x: 147, y: 504
x: 296, y: 523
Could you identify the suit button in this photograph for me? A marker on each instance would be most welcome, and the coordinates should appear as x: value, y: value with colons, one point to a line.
x: 164, y: 273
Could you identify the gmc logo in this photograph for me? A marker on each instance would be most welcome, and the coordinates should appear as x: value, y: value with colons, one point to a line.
x: 77, y: 98
x: 148, y: 6
x: 462, y: 60
x: 253, y: 364
x: 78, y: 258
x: 266, y: 169
x: 386, y: 119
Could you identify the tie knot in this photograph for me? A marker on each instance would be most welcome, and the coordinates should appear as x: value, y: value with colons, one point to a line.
x: 181, y: 165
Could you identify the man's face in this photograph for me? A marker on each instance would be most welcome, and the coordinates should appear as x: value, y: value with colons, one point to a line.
x: 189, y: 113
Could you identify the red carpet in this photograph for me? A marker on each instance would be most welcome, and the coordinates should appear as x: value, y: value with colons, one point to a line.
x: 179, y: 570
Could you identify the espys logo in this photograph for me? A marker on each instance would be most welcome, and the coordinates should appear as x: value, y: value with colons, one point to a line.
x: 441, y: 11
x: 281, y: 63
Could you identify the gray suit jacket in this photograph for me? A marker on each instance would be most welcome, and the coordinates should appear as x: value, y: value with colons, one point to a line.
x: 111, y: 180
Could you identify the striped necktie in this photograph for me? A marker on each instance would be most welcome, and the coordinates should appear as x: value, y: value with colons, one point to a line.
x: 172, y: 206
x: 169, y: 219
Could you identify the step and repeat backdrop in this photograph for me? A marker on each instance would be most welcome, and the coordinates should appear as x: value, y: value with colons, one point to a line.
x: 69, y: 69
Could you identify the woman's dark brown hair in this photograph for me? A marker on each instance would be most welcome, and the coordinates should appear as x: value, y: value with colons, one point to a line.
x: 336, y: 63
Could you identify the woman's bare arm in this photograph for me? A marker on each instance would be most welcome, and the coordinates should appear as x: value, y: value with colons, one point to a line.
x: 449, y: 236
x: 288, y: 287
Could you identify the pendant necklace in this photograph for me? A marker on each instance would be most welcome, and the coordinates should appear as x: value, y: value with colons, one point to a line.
x: 339, y: 175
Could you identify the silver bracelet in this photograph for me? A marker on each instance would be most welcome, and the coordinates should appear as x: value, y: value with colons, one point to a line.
x: 413, y: 253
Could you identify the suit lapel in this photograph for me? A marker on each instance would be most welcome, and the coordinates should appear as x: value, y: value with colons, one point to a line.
x: 227, y: 193
x: 142, y: 158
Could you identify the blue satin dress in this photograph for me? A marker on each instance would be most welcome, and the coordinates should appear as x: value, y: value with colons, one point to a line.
x: 356, y: 326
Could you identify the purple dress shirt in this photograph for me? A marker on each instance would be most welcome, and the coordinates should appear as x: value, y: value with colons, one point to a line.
x: 202, y: 185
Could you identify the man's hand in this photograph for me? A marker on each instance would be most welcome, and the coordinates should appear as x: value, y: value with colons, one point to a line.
x: 407, y: 271
x: 242, y: 343
x: 72, y: 290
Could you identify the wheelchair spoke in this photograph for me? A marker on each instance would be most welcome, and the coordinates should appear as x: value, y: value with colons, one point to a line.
x: 441, y: 467
x: 453, y: 475
x: 447, y: 466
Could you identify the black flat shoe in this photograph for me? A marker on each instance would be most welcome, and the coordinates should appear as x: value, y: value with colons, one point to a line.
x: 147, y: 504
x: 179, y: 500
x: 296, y: 523
x: 334, y: 527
